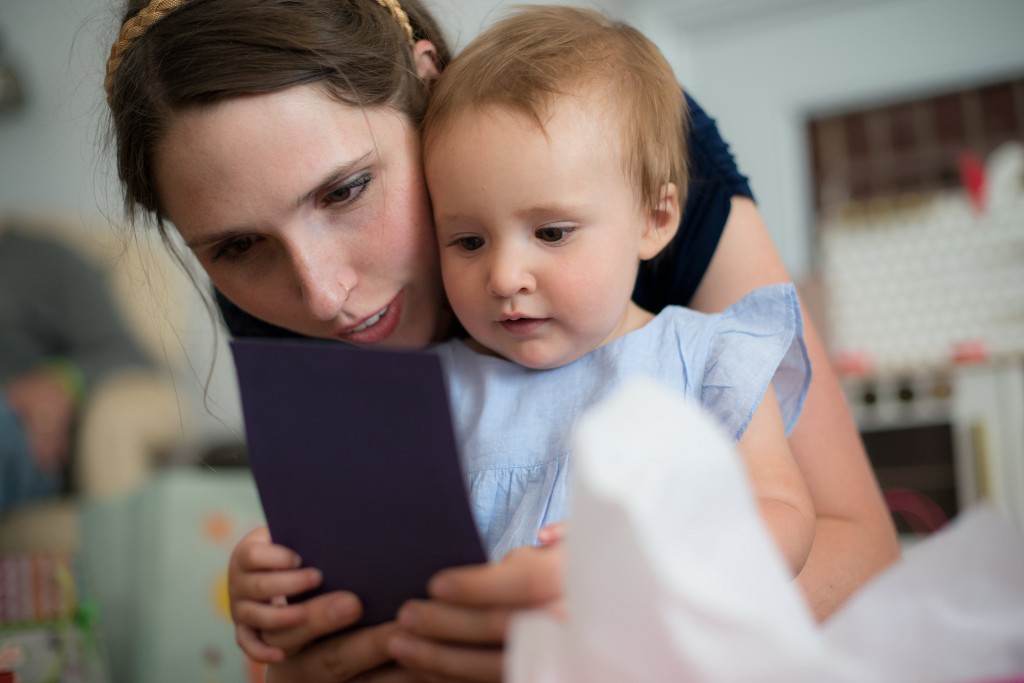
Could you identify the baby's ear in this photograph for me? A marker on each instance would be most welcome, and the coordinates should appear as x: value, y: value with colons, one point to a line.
x: 662, y: 222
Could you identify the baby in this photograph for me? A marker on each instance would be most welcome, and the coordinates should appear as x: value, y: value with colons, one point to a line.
x: 555, y: 159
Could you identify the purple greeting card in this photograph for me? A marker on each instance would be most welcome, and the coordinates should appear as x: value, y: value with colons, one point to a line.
x: 356, y: 465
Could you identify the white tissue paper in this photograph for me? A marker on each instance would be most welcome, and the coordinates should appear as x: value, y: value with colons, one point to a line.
x: 671, y: 576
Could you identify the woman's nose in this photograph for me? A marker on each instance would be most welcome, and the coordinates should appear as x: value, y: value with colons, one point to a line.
x: 325, y: 286
x: 509, y: 274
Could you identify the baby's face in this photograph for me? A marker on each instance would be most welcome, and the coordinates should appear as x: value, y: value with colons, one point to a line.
x: 540, y: 231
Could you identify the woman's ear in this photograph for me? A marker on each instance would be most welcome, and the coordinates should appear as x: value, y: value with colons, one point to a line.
x: 425, y: 55
x: 662, y: 222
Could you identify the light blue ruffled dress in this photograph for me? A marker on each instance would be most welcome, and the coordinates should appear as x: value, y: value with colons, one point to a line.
x: 513, y: 424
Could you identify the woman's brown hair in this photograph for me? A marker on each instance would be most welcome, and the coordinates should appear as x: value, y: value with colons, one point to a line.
x: 206, y: 51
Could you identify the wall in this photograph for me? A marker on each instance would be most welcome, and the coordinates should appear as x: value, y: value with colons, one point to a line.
x: 760, y: 68
x: 53, y: 157
x: 48, y: 149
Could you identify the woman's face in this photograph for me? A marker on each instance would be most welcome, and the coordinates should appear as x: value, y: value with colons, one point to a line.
x: 309, y: 214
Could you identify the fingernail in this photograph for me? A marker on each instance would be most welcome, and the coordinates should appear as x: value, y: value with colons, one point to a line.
x: 406, y: 616
x: 343, y: 608
x: 441, y: 587
x: 401, y: 647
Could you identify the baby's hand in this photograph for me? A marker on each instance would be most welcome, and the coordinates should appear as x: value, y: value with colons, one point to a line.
x: 260, y: 577
x: 552, y: 533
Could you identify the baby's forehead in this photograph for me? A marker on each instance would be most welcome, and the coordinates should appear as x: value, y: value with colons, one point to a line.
x: 528, y: 156
x: 545, y: 113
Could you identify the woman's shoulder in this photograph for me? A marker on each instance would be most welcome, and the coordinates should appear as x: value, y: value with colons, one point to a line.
x: 711, y: 159
x: 713, y: 180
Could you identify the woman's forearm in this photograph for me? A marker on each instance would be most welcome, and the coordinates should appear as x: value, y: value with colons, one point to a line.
x: 832, y: 572
x: 854, y: 534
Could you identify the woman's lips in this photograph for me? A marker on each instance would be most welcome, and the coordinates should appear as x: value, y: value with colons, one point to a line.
x: 371, y: 321
x: 376, y: 328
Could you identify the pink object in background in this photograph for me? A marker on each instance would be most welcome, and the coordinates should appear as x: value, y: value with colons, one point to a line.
x: 922, y: 513
x: 970, y: 351
x: 36, y: 589
x: 853, y: 363
x: 972, y: 176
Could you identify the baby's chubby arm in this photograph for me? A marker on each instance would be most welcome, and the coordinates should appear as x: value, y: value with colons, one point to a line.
x: 781, y: 492
x: 261, y: 575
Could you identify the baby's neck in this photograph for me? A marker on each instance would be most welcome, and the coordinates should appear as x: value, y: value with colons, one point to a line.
x: 633, y: 318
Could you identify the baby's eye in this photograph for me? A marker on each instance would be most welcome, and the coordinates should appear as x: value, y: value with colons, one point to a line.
x: 234, y: 249
x: 470, y: 243
x: 348, y: 191
x: 553, y: 233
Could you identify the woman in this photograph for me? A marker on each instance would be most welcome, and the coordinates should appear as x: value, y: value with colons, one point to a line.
x: 280, y: 139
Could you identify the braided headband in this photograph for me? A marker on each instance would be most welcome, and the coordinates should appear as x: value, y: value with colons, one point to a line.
x: 156, y: 10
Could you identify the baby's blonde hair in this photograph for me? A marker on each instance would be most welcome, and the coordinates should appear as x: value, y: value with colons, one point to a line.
x: 539, y: 53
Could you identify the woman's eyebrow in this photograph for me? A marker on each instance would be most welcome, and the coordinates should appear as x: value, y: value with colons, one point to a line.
x: 333, y: 176
x: 215, y: 238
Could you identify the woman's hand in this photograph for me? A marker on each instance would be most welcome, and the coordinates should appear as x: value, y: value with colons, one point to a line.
x: 359, y: 656
x: 459, y: 634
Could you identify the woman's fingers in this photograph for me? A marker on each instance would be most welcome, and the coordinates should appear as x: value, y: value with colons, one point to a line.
x: 526, y: 577
x: 392, y: 674
x: 249, y: 640
x: 444, y: 621
x: 448, y: 643
x: 321, y: 616
x: 340, y: 658
x: 438, y: 661
x: 459, y: 634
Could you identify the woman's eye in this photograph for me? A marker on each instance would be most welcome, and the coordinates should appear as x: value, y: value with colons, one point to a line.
x: 349, y: 191
x: 471, y: 243
x: 553, y: 233
x: 233, y: 249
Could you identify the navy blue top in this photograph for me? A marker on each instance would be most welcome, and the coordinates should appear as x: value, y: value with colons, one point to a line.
x: 671, y: 278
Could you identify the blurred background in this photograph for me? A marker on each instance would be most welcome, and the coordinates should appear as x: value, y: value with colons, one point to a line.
x: 883, y: 142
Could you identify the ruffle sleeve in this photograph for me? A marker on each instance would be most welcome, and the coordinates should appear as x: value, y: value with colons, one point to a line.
x: 758, y: 340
